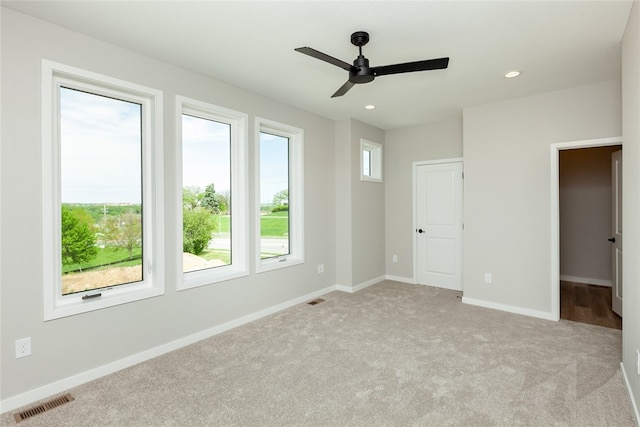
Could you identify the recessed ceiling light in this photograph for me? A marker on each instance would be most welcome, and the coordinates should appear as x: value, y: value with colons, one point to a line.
x: 512, y: 74
x: 370, y: 107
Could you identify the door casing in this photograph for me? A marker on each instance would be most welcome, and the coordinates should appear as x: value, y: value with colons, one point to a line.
x: 555, y: 210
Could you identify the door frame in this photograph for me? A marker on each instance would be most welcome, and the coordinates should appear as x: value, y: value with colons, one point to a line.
x: 555, y: 209
x: 414, y: 175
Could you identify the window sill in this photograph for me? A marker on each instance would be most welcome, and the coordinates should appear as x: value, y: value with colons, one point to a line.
x: 277, y: 263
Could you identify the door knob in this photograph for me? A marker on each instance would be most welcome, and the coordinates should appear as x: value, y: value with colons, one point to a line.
x: 612, y: 240
x: 420, y: 230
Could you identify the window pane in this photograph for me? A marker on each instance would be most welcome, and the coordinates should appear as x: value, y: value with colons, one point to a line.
x: 101, y: 191
x: 274, y: 195
x: 206, y: 193
x: 366, y: 163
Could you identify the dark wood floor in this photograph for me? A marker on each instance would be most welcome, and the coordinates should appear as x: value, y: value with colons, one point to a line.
x: 588, y: 304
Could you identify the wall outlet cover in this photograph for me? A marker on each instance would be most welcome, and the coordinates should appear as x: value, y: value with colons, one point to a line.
x: 23, y: 347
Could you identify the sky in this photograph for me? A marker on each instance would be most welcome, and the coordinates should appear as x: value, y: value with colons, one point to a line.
x: 206, y: 155
x: 274, y: 161
x: 100, y: 149
x: 101, y: 152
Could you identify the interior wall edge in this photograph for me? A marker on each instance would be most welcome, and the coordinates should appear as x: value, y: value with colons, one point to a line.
x: 627, y: 386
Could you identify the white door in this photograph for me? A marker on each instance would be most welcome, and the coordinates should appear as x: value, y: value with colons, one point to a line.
x: 439, y: 225
x: 616, y: 226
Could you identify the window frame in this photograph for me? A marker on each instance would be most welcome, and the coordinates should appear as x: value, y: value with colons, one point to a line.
x: 238, y: 122
x: 375, y: 150
x: 57, y: 305
x: 296, y: 195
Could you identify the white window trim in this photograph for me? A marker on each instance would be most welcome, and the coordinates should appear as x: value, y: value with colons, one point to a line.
x: 296, y: 195
x: 239, y: 194
x: 55, y: 304
x: 376, y: 161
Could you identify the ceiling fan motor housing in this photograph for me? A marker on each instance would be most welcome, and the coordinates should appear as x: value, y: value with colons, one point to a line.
x: 361, y: 72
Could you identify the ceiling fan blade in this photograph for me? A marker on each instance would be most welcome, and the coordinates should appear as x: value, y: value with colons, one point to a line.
x: 343, y: 89
x: 407, y: 67
x: 324, y: 57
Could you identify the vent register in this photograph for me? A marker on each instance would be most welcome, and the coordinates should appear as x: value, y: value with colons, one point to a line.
x: 39, y: 409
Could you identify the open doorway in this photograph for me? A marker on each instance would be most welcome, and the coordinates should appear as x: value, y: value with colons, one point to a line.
x: 585, y: 190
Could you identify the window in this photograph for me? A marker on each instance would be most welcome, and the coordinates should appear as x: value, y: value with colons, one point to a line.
x: 370, y: 161
x: 102, y: 191
x: 213, y: 195
x: 279, y: 158
x: 366, y: 163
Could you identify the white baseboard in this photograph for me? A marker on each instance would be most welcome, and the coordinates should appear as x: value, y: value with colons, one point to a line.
x: 361, y: 286
x: 408, y: 280
x: 344, y: 288
x: 510, y: 308
x: 586, y: 280
x: 101, y: 371
x: 631, y: 396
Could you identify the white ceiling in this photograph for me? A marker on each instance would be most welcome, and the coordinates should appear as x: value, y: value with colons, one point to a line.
x: 556, y: 44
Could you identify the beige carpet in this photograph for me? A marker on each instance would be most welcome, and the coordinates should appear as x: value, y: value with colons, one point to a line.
x: 390, y: 355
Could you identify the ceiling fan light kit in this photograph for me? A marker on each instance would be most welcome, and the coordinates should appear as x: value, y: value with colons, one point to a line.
x: 360, y: 72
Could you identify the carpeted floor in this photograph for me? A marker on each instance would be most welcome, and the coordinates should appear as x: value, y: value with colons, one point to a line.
x: 390, y: 355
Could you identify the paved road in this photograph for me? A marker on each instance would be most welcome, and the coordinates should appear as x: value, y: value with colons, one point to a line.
x: 272, y: 245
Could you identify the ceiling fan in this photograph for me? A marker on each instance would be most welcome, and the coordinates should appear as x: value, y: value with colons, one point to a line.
x: 361, y: 72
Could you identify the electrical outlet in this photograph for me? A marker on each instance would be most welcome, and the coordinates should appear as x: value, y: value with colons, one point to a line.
x: 487, y: 278
x: 320, y: 268
x: 395, y: 258
x: 23, y: 347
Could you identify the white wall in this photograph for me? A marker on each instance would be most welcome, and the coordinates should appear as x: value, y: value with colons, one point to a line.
x: 585, y: 214
x: 367, y: 200
x: 360, y: 218
x: 440, y: 140
x: 631, y: 201
x: 69, y: 346
x: 343, y: 179
x: 507, y: 199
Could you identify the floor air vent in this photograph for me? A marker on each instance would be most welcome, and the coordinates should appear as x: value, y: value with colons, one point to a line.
x: 28, y: 413
x: 315, y: 301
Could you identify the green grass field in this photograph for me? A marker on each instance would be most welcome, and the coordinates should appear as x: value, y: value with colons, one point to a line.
x: 222, y: 255
x: 271, y: 225
x: 108, y: 256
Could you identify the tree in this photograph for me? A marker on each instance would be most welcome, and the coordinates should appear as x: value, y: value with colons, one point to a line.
x: 198, y: 224
x: 84, y: 217
x: 124, y: 231
x: 224, y: 201
x: 210, y: 199
x: 281, y: 201
x: 78, y: 241
x: 192, y: 197
x: 197, y: 227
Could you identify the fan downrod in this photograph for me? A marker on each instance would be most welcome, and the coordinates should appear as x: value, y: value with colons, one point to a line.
x: 359, y: 38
